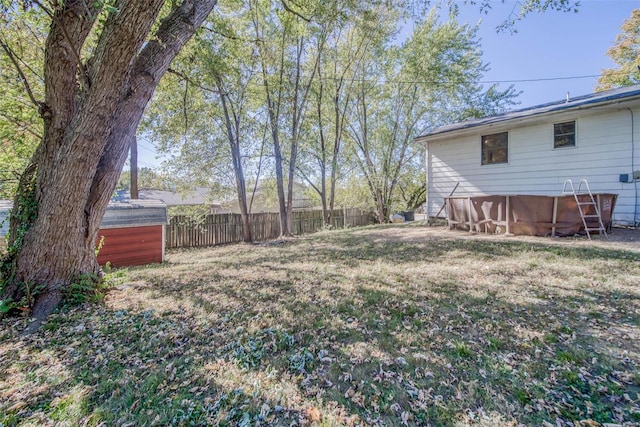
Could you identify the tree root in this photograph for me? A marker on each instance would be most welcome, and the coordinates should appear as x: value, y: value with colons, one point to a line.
x: 44, y: 305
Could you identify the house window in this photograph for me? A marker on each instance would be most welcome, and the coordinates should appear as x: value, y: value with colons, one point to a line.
x: 564, y: 135
x: 495, y: 148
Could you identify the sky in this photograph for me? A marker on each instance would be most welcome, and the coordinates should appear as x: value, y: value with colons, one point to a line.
x: 551, y: 45
x: 544, y: 59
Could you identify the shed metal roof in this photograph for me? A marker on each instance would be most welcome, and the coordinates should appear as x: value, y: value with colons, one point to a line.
x: 580, y: 102
x: 199, y: 196
x: 135, y: 213
x: 118, y: 214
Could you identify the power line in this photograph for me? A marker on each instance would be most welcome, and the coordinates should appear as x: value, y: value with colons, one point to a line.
x: 144, y: 147
x: 543, y: 79
x: 447, y: 82
x: 147, y: 164
x: 151, y: 143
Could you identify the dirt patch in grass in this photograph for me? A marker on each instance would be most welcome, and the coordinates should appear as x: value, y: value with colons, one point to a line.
x: 617, y: 237
x: 385, y: 325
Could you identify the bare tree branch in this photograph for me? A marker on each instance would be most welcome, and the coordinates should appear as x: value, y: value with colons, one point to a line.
x: 308, y: 179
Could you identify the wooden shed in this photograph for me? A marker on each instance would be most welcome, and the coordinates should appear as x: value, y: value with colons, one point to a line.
x: 133, y: 233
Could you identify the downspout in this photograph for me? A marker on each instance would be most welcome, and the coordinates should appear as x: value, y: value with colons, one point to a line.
x: 636, y: 222
x: 427, y: 207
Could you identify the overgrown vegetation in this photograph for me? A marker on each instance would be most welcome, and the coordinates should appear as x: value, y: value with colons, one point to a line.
x: 388, y: 325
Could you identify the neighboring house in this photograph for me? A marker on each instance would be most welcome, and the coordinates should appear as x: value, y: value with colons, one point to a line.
x: 198, y: 197
x: 265, y: 199
x: 533, y: 150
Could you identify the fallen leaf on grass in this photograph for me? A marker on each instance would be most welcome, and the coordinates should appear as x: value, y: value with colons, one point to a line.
x: 16, y: 407
x: 313, y: 414
x: 589, y: 423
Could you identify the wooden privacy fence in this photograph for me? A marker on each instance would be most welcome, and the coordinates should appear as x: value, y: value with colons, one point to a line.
x: 219, y: 229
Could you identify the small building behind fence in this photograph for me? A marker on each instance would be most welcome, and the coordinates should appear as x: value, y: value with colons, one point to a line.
x: 131, y: 233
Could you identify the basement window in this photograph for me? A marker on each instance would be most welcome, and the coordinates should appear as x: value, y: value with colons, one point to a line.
x: 495, y: 148
x: 564, y: 134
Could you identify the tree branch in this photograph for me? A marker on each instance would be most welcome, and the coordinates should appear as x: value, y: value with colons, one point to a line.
x: 230, y: 37
x: 290, y: 10
x: 22, y: 125
x: 306, y: 178
x: 25, y: 82
x: 193, y: 83
x: 43, y: 7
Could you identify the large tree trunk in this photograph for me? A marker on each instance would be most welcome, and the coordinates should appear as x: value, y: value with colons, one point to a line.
x: 90, y: 124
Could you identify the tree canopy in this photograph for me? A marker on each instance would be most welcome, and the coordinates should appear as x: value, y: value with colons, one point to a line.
x: 339, y: 94
x: 626, y: 54
x: 21, y: 65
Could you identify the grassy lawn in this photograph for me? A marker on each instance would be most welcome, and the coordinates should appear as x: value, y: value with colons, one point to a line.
x: 386, y: 325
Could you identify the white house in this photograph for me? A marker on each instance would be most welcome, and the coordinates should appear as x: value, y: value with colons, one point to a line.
x: 533, y: 150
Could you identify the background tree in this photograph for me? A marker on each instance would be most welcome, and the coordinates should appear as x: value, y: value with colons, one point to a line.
x: 288, y: 56
x: 427, y: 81
x: 95, y: 94
x: 148, y: 179
x: 206, y: 113
x: 183, y: 121
x: 626, y: 54
x: 22, y: 37
x: 322, y: 157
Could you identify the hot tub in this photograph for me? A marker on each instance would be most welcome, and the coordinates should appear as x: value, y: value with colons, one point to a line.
x: 527, y: 214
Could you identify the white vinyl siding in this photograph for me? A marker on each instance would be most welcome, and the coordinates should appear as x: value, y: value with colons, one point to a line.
x: 535, y: 167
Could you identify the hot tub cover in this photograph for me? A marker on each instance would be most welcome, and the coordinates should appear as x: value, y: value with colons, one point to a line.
x: 532, y: 215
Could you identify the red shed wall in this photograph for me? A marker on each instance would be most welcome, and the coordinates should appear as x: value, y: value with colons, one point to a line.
x: 131, y: 245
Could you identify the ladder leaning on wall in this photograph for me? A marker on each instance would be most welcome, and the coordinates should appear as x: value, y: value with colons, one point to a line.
x: 583, y: 206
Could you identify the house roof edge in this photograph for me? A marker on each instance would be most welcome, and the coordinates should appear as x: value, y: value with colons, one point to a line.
x: 581, y: 102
